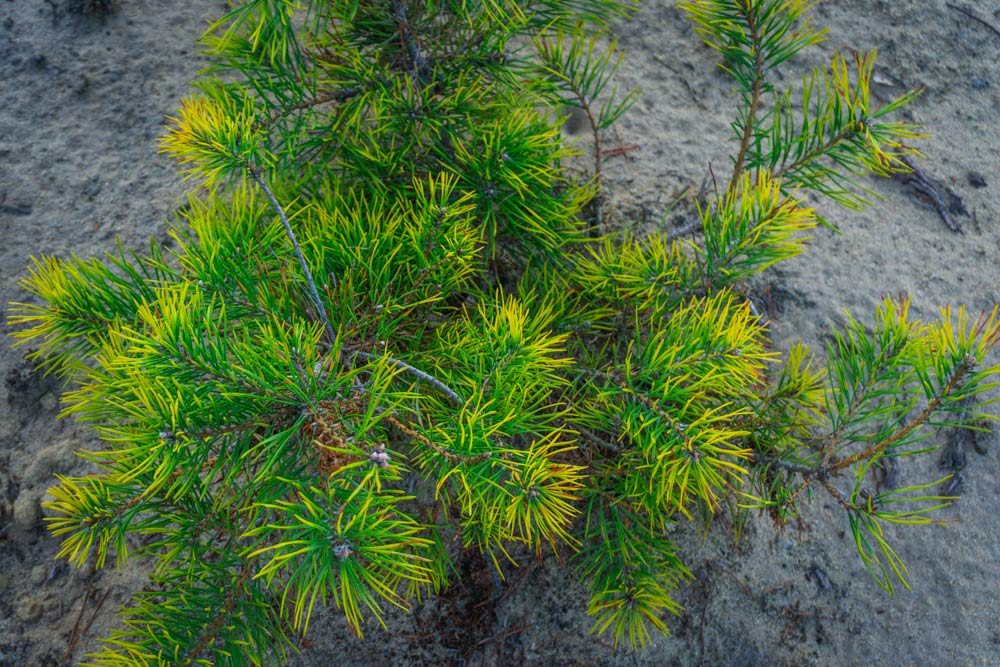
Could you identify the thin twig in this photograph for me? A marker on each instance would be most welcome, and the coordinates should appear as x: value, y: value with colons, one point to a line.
x: 845, y: 134
x: 317, y: 302
x: 686, y: 230
x: 971, y: 15
x: 406, y: 33
x: 833, y: 467
x: 758, y: 84
x: 837, y: 495
x: 336, y: 96
x: 212, y: 631
x: 500, y: 638
x: 416, y: 372
x: 619, y: 150
x: 74, y: 633
x: 454, y: 457
x: 598, y: 159
x: 584, y: 104
x: 78, y: 633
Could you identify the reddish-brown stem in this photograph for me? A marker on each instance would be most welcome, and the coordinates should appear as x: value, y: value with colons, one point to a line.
x: 758, y: 84
x: 925, y: 414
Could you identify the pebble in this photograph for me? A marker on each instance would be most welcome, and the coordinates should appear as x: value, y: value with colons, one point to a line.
x: 39, y: 574
x: 27, y: 510
x: 49, y: 401
x: 56, y: 458
x: 976, y: 179
x: 30, y: 608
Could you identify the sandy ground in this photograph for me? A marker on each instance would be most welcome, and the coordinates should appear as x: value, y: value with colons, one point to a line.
x: 83, y: 100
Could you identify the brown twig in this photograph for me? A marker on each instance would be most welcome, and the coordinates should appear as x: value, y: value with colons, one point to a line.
x: 76, y: 634
x: 619, y: 150
x: 451, y: 456
x: 212, y: 631
x: 501, y: 637
x: 953, y: 382
x: 758, y: 86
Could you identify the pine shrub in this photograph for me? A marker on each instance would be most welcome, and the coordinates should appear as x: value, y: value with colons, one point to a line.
x: 393, y: 325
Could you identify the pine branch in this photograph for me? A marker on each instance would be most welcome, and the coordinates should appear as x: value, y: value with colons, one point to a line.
x: 211, y: 632
x: 450, y: 455
x: 750, y: 113
x: 578, y: 77
x: 251, y: 427
x: 961, y: 371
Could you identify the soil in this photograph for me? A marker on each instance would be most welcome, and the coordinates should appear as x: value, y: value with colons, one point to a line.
x: 86, y: 88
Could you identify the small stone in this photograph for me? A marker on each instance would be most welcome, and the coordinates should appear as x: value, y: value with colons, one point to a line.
x: 976, y: 179
x: 56, y: 458
x: 30, y: 608
x: 38, y: 575
x: 27, y: 510
x: 49, y: 401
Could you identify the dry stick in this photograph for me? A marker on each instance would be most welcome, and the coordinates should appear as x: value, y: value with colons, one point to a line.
x: 97, y: 608
x: 78, y: 633
x: 74, y: 634
x: 416, y: 372
x: 681, y: 232
x: 318, y: 303
x: 967, y: 12
x: 934, y: 190
x: 619, y: 150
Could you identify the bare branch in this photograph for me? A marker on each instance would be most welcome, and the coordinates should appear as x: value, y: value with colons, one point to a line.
x: 317, y: 302
x: 416, y: 372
